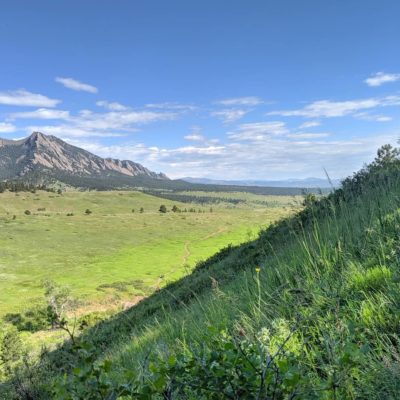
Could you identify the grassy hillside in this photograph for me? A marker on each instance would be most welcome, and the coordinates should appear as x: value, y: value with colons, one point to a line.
x: 309, y: 310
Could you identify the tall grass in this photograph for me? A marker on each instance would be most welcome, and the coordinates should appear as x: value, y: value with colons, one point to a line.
x: 321, y: 289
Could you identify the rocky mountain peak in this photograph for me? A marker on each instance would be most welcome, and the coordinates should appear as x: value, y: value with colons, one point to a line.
x: 45, y: 152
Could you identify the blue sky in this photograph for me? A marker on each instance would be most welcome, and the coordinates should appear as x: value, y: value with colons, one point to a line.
x: 222, y: 89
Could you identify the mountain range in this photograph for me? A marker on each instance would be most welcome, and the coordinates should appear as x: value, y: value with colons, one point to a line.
x: 288, y: 183
x: 46, y: 159
x: 46, y: 155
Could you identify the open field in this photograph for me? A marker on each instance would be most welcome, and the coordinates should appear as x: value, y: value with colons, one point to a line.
x: 114, y: 254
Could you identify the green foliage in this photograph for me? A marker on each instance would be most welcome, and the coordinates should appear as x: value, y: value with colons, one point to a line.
x: 10, y: 349
x: 308, y: 310
x: 162, y: 209
x: 33, y: 320
x: 224, y: 366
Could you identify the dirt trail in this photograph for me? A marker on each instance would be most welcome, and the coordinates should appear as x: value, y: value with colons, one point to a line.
x: 220, y: 230
x: 186, y: 254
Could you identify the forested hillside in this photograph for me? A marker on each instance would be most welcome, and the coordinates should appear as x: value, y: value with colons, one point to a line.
x: 309, y: 310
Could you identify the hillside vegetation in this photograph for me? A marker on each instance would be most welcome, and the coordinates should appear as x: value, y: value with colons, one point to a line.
x: 308, y: 310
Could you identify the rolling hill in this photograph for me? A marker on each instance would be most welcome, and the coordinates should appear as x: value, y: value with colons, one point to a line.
x: 308, y: 310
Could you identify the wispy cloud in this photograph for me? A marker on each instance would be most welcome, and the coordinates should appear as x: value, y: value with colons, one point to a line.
x: 171, y: 106
x: 122, y: 120
x: 257, y: 131
x: 69, y: 131
x: 381, y: 78
x: 241, y: 101
x: 195, y: 137
x: 24, y: 98
x: 373, y: 117
x: 229, y: 116
x: 41, y: 113
x: 6, y: 127
x: 330, y: 109
x: 303, y: 135
x: 90, y: 124
x: 112, y: 106
x: 74, y: 84
x: 309, y: 124
x: 277, y: 156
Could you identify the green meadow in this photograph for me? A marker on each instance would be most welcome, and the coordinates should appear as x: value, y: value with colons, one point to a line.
x: 115, y: 253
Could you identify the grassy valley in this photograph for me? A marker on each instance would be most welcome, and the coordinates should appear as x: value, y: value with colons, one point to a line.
x: 116, y: 251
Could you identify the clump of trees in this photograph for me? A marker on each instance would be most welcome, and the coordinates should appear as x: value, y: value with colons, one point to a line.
x: 22, y: 186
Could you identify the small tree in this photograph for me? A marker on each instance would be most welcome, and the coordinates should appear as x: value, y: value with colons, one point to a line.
x: 27, y: 212
x: 386, y: 155
x: 163, y: 209
x: 175, y: 208
x: 141, y: 210
x: 133, y: 210
x: 59, y: 302
x: 88, y: 212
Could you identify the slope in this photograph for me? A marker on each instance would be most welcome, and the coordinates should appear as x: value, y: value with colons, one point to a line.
x: 308, y: 310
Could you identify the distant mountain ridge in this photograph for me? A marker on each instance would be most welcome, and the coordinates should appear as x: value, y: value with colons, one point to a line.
x: 49, y: 155
x: 288, y: 183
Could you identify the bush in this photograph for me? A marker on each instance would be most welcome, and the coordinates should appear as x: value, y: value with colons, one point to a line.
x: 27, y: 212
x: 32, y: 320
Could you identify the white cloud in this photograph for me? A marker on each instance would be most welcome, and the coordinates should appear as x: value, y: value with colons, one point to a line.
x: 372, y: 117
x: 303, y: 135
x: 330, y: 109
x: 309, y: 124
x: 7, y: 128
x: 73, y: 84
x: 63, y: 131
x: 90, y: 124
x: 124, y: 120
x: 195, y: 137
x: 380, y: 78
x: 257, y: 131
x: 24, y: 98
x: 171, y: 106
x: 113, y: 106
x: 276, y: 157
x: 382, y: 118
x: 241, y: 101
x: 229, y: 116
x: 41, y: 113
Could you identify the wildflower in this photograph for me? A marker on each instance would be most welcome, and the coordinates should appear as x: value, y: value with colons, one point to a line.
x: 258, y: 269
